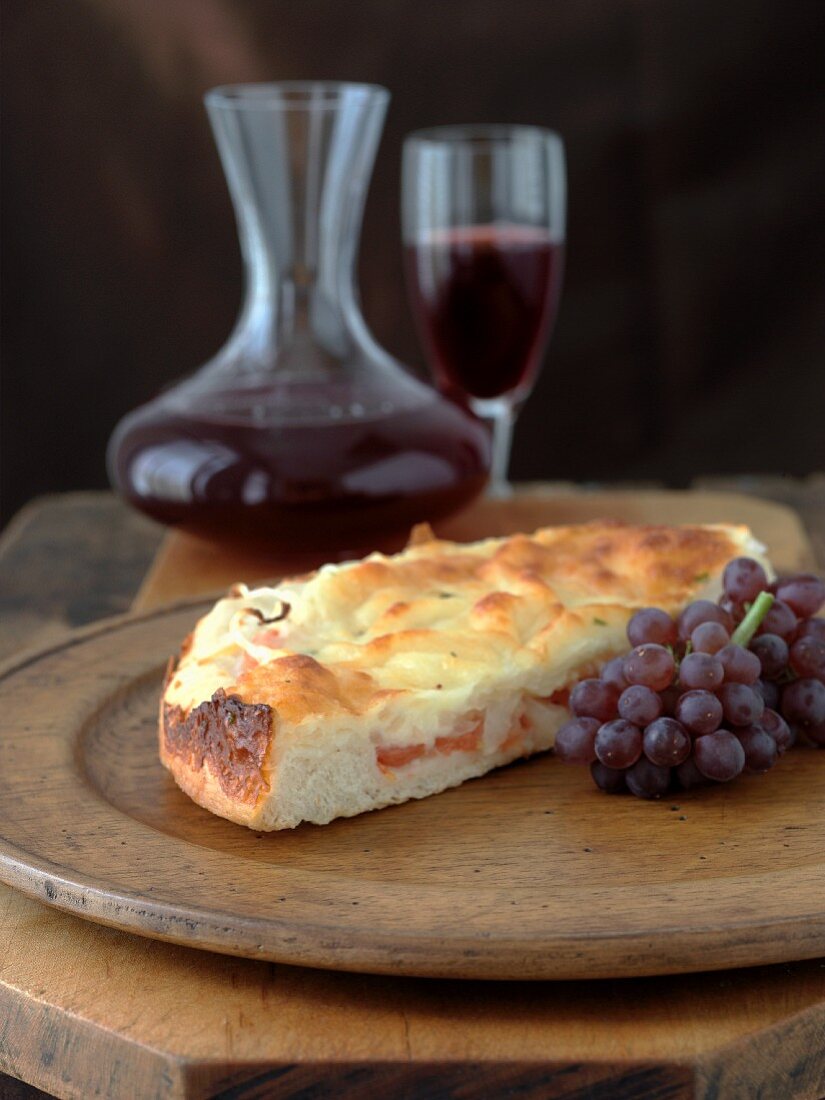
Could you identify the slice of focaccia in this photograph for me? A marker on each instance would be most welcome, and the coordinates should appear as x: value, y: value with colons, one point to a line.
x: 376, y: 681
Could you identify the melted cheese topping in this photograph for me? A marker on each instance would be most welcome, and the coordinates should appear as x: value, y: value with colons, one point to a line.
x: 443, y: 628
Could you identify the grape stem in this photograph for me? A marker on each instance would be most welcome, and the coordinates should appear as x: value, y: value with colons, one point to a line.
x: 752, y: 621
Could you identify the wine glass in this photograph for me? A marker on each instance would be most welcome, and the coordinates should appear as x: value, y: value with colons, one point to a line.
x: 483, y: 216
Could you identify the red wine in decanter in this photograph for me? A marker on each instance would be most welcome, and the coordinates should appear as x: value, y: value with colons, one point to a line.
x: 356, y: 483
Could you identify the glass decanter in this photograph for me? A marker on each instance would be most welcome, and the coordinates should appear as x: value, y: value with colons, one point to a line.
x: 302, y: 432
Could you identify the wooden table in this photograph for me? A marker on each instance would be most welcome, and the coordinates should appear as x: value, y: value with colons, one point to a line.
x: 169, y: 1021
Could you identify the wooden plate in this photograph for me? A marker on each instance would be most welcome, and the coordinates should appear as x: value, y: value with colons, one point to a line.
x: 526, y: 873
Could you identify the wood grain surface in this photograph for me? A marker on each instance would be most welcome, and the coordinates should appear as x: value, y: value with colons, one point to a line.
x: 87, y: 1010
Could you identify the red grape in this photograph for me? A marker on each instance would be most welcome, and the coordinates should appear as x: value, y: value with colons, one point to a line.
x: 647, y: 780
x: 779, y: 620
x: 803, y: 703
x: 612, y: 673
x: 804, y: 594
x: 719, y: 756
x: 575, y: 740
x: 666, y: 742
x: 807, y: 657
x: 670, y: 697
x: 699, y: 711
x: 689, y: 775
x: 607, y: 779
x: 702, y: 611
x: 640, y: 705
x: 700, y: 670
x: 812, y: 628
x: 732, y: 608
x: 651, y: 665
x: 709, y: 638
x: 775, y: 725
x: 769, y: 692
x: 651, y: 624
x: 740, y: 665
x: 742, y: 706
x: 761, y: 751
x: 618, y: 744
x: 772, y: 652
x: 743, y: 579
x: 594, y: 699
x: 816, y: 734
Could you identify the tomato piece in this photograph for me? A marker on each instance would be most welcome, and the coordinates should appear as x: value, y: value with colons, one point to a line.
x: 396, y: 756
x: 462, y: 742
x: 248, y: 662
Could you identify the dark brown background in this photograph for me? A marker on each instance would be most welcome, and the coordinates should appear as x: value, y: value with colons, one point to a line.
x: 692, y: 325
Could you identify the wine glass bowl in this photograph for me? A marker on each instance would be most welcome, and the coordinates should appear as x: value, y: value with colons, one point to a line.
x: 483, y: 212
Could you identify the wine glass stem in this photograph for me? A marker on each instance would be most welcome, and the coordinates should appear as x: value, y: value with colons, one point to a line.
x: 503, y: 420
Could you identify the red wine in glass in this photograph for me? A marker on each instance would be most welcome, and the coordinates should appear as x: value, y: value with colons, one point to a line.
x: 483, y: 212
x: 485, y: 299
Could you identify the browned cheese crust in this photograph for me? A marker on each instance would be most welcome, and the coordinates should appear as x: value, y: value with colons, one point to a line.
x: 523, y: 576
x: 234, y: 737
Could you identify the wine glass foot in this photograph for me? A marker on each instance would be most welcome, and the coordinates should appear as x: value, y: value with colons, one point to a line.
x: 499, y: 490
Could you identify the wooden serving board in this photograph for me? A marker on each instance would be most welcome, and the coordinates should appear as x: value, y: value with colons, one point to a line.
x: 526, y: 873
x: 89, y: 1010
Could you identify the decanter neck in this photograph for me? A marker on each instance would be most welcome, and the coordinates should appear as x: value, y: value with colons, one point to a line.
x: 297, y: 159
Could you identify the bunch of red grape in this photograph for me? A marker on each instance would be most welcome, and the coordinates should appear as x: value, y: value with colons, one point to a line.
x: 726, y: 688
